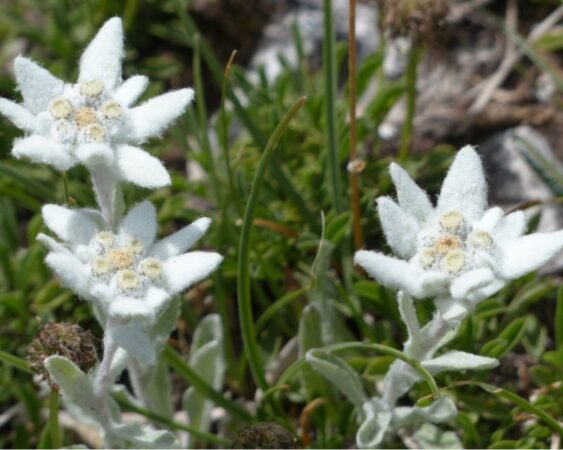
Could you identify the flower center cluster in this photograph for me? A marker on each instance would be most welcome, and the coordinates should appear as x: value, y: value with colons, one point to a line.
x: 126, y: 264
x: 452, y: 246
x: 85, y: 114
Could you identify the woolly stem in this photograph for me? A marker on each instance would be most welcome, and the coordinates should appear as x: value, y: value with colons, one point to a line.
x: 420, y: 346
x: 107, y: 190
x: 102, y: 386
x: 408, y: 314
x: 137, y: 378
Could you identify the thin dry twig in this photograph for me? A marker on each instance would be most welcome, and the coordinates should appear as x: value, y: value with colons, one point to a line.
x: 305, y: 419
x: 490, y: 85
x: 458, y: 12
x: 508, y: 60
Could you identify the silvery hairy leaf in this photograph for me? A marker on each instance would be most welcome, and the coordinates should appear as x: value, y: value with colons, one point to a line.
x: 208, y: 360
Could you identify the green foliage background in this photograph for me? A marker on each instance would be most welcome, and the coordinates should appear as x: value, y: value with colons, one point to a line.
x: 298, y: 286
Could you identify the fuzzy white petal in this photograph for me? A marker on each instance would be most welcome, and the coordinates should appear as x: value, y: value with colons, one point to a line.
x: 41, y: 150
x: 399, y: 227
x: 182, y: 240
x: 138, y: 167
x: 469, y: 281
x: 155, y: 115
x: 102, y: 58
x: 52, y: 244
x: 95, y: 216
x: 478, y: 294
x: 70, y: 225
x: 140, y: 223
x: 529, y: 253
x: 36, y: 84
x: 70, y: 271
x: 490, y: 219
x: 123, y: 308
x: 104, y: 293
x: 511, y: 227
x: 453, y: 310
x: 95, y: 154
x: 465, y: 188
x: 145, y: 310
x: 411, y: 197
x: 157, y: 299
x: 400, y: 274
x: 131, y: 90
x: 18, y: 115
x: 184, y: 270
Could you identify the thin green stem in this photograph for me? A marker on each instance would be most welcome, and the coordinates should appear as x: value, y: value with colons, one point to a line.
x: 331, y: 134
x: 174, y: 360
x: 259, y: 138
x: 243, y: 286
x: 224, y: 130
x: 408, y: 125
x: 278, y: 305
x: 15, y: 361
x: 202, y: 119
x: 54, y: 428
x: 514, y: 398
x: 65, y: 186
x: 330, y: 86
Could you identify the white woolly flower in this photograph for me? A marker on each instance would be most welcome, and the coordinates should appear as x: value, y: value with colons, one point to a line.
x: 93, y: 121
x: 127, y: 275
x: 459, y: 251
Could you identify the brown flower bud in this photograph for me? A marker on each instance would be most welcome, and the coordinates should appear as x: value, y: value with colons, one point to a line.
x: 71, y: 341
x: 419, y: 20
x: 264, y: 435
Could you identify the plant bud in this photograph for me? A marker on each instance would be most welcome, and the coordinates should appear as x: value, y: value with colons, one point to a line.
x: 59, y: 338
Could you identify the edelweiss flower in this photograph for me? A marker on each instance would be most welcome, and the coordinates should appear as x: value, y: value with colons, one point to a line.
x: 459, y: 252
x: 92, y: 121
x: 127, y: 276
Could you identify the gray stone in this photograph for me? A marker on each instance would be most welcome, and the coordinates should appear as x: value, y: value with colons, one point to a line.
x: 514, y: 182
x: 278, y: 43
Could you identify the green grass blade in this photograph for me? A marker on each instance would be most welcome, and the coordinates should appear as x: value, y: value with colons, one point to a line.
x: 243, y: 286
x: 330, y: 86
x: 174, y: 360
x: 201, y: 110
x: 549, y: 171
x: 277, y: 306
x: 534, y: 56
x: 559, y: 319
x: 217, y: 73
x: 516, y: 399
x: 15, y: 361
